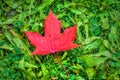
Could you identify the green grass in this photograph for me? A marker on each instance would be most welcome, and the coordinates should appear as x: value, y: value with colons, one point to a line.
x: 98, y: 30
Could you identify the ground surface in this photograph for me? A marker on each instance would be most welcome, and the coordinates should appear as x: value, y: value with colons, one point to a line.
x: 98, y: 30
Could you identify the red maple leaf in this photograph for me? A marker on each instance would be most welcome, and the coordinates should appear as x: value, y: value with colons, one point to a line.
x: 54, y: 40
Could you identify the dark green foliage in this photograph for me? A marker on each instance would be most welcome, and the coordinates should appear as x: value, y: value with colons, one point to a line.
x: 98, y: 31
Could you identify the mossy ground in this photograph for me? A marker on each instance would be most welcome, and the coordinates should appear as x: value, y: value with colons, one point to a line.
x: 98, y: 30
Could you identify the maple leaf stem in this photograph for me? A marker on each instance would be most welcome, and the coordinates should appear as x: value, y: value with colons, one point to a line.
x: 58, y: 60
